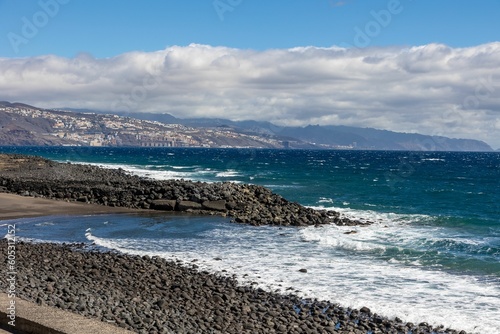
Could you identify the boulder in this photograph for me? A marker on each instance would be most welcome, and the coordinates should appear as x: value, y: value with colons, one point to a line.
x: 189, y: 205
x: 215, y: 205
x: 231, y: 205
x: 365, y: 309
x: 163, y: 204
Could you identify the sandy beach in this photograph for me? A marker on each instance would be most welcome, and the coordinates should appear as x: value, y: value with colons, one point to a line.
x: 15, y: 206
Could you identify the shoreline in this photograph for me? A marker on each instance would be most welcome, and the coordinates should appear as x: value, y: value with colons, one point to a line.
x: 49, y: 278
x: 154, y: 295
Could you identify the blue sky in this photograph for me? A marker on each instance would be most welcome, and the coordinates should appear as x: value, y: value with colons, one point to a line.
x: 424, y: 66
x: 106, y: 28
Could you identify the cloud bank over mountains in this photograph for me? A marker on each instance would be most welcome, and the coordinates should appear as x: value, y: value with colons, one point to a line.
x: 432, y: 89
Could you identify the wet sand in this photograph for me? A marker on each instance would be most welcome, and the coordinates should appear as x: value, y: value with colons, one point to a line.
x: 15, y: 206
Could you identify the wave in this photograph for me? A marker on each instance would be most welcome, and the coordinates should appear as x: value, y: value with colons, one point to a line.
x: 162, y: 172
x: 411, y: 239
x: 340, y: 237
x: 228, y: 173
x: 45, y: 224
x: 325, y: 200
x: 433, y: 159
x: 374, y: 216
x: 199, y: 174
x: 282, y: 186
x: 185, y: 167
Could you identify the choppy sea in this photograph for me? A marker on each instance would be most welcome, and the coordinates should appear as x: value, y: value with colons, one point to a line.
x: 432, y: 255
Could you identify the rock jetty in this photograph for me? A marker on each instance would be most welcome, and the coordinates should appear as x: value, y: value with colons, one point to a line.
x: 244, y: 203
x: 153, y: 295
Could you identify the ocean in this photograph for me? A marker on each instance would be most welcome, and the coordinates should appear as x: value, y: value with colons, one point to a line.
x: 432, y: 253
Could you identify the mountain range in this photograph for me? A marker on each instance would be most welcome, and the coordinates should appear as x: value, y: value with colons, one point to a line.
x: 22, y: 124
x: 329, y: 136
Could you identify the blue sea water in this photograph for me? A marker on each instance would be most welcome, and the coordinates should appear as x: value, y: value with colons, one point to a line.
x: 433, y: 253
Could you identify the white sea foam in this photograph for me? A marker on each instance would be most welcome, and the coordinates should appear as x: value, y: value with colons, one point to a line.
x: 185, y: 167
x: 228, y: 174
x: 349, y: 238
x: 389, y: 230
x: 193, y: 173
x: 282, y: 186
x: 325, y: 200
x: 45, y: 224
x: 433, y: 159
x: 374, y: 216
x: 199, y: 174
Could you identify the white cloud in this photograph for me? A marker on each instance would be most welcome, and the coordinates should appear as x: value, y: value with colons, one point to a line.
x: 432, y: 89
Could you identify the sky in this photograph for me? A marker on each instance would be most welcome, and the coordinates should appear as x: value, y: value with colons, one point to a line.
x: 424, y: 66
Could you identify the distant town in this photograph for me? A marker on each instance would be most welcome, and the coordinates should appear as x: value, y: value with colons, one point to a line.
x: 91, y: 129
x: 22, y: 124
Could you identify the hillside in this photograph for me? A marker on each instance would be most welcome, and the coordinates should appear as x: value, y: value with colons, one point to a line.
x: 331, y: 136
x: 22, y: 124
x: 381, y: 139
x: 26, y: 125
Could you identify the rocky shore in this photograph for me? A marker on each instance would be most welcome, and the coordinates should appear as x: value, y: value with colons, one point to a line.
x: 153, y: 295
x: 248, y: 204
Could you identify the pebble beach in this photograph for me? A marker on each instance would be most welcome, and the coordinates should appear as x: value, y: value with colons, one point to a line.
x: 153, y: 295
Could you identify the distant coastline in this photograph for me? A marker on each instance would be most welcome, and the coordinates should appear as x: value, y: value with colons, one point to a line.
x: 25, y: 125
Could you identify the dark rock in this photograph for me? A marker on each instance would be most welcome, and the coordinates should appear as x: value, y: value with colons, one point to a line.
x: 162, y: 204
x: 365, y: 309
x: 188, y: 205
x: 219, y: 205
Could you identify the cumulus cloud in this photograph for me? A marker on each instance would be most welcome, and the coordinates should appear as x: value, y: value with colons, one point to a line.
x: 432, y: 89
